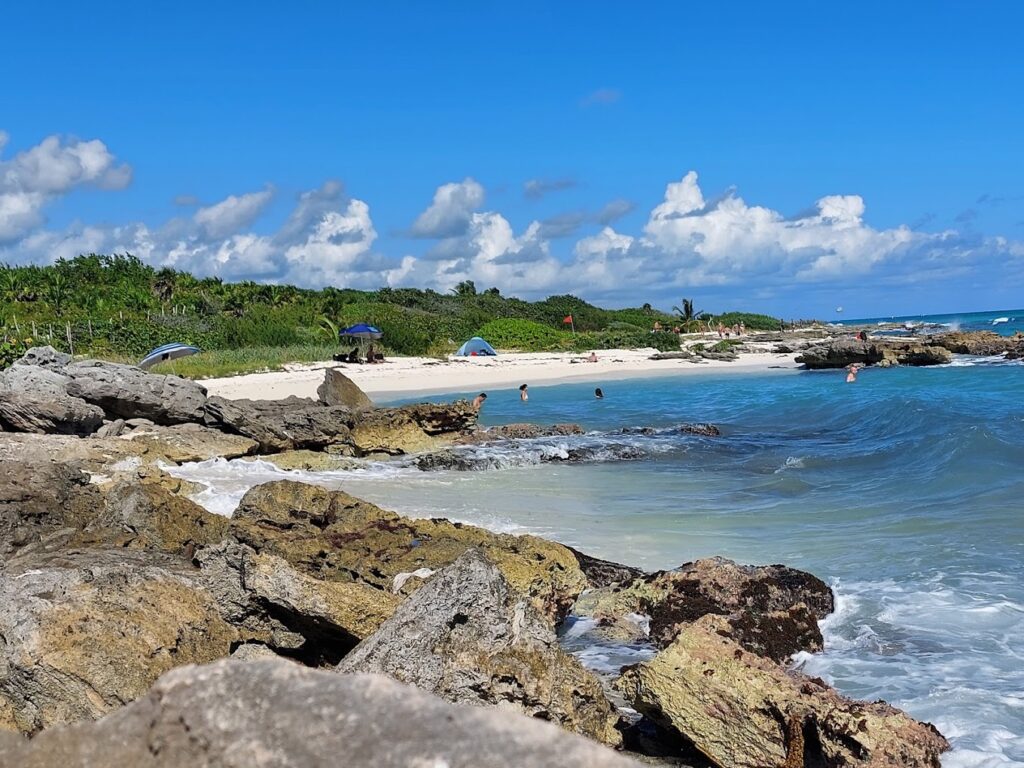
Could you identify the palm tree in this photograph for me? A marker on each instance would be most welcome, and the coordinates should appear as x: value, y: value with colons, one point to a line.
x: 688, y: 316
x: 57, y: 291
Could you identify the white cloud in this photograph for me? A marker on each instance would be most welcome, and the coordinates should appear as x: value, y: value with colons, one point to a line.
x: 450, y: 212
x: 33, y: 178
x: 535, y: 189
x: 232, y: 213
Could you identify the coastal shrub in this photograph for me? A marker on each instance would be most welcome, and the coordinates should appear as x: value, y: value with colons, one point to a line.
x: 636, y: 339
x: 11, y: 349
x: 752, y: 321
x: 524, y: 335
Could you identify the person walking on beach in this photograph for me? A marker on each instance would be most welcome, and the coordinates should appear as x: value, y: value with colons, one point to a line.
x: 523, y: 394
x: 478, y: 401
x: 599, y: 394
x: 851, y: 375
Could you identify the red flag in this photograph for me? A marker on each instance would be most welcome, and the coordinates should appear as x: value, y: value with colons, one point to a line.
x: 568, y: 319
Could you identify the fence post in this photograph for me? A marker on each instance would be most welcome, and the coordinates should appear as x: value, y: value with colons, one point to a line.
x: 71, y: 343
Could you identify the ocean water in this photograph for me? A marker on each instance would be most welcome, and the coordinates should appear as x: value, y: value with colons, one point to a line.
x: 903, y: 490
x: 1003, y: 322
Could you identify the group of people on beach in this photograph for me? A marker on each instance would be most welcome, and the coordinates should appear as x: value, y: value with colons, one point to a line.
x: 737, y: 329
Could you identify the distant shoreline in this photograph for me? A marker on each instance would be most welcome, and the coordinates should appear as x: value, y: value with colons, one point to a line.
x: 407, y: 376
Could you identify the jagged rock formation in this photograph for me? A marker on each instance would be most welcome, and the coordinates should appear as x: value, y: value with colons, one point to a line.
x: 842, y: 352
x: 746, y: 711
x: 469, y: 638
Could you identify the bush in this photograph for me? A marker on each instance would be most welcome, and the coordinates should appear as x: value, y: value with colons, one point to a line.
x: 753, y: 321
x: 524, y: 335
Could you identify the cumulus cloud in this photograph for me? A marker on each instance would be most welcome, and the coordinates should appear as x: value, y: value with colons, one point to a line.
x: 36, y: 176
x: 535, y: 189
x: 450, y: 213
x: 233, y: 213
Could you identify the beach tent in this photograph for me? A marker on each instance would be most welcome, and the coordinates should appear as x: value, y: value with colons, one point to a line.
x: 167, y: 352
x: 475, y: 346
x: 362, y: 331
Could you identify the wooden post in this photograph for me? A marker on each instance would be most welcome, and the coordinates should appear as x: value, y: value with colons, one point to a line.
x: 35, y: 333
x: 71, y: 343
x: 17, y: 330
x: 89, y: 321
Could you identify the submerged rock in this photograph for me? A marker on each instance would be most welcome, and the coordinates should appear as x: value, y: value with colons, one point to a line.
x: 469, y: 638
x: 274, y: 713
x: 336, y: 537
x: 771, y: 610
x: 339, y: 389
x: 745, y: 711
x: 518, y: 432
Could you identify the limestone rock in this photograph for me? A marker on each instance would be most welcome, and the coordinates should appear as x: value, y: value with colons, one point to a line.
x: 519, y: 432
x: 124, y: 391
x: 336, y: 537
x: 412, y: 428
x: 146, y: 515
x: 35, y: 399
x: 845, y: 351
x: 42, y: 498
x: 469, y: 638
x: 83, y: 633
x: 310, y: 619
x: 985, y: 343
x: 746, y: 711
x: 604, y: 573
x: 772, y: 610
x: 45, y: 357
x: 316, y: 461
x: 189, y: 442
x: 281, y: 425
x: 274, y: 713
x: 339, y: 389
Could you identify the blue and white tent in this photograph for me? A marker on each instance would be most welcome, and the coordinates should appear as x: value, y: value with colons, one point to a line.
x: 475, y: 346
x: 168, y: 352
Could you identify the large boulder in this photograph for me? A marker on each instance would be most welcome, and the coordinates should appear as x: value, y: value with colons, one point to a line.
x: 412, y: 428
x: 124, y: 391
x: 845, y: 351
x: 83, y: 633
x: 469, y: 638
x: 314, y: 621
x: 336, y: 537
x: 339, y: 389
x: 45, y: 357
x: 745, y: 711
x: 282, y: 425
x: 188, y: 442
x: 771, y: 610
x: 35, y: 399
x: 40, y: 499
x: 273, y: 713
x: 984, y: 343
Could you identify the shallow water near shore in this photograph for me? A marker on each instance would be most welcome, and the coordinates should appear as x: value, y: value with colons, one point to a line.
x: 903, y: 490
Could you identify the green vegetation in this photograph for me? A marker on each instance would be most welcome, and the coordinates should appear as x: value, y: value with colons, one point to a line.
x: 119, y: 308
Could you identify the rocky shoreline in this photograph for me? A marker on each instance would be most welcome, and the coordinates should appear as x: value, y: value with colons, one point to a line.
x: 311, y: 627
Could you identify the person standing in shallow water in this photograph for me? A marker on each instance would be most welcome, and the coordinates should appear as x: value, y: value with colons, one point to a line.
x: 599, y: 394
x: 478, y: 401
x: 851, y: 375
x: 523, y: 394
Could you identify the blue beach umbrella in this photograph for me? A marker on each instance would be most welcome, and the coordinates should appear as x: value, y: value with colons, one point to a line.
x: 362, y: 331
x: 167, y: 352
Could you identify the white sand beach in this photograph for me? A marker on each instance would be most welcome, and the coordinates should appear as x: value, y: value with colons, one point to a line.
x: 404, y: 376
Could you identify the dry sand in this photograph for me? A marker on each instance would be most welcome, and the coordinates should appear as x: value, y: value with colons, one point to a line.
x: 406, y: 376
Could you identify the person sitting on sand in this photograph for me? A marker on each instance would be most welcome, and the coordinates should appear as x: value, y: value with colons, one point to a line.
x: 523, y: 394
x: 478, y: 401
x: 599, y: 394
x: 592, y: 358
x: 851, y: 376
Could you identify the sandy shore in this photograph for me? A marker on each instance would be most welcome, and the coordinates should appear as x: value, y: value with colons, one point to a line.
x: 405, y: 376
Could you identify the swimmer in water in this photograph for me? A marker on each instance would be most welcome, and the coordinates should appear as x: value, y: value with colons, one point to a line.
x: 599, y: 394
x: 523, y: 394
x: 851, y: 375
x: 479, y: 400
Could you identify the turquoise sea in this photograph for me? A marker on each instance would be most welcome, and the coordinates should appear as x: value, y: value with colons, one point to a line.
x: 903, y: 490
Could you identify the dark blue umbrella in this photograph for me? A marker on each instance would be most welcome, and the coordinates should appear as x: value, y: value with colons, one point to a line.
x: 168, y: 352
x: 362, y: 331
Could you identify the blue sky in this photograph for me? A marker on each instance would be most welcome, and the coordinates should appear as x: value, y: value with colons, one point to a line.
x: 868, y: 154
